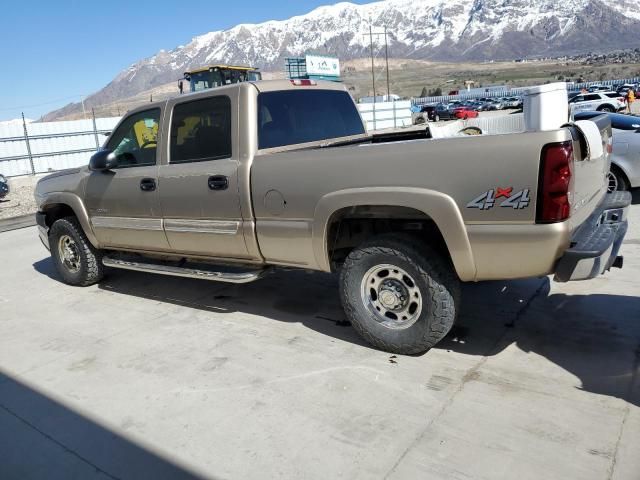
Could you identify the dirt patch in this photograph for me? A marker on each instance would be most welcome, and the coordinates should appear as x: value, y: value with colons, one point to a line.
x: 20, y: 200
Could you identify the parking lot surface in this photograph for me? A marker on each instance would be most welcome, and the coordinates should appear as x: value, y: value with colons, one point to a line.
x: 154, y: 377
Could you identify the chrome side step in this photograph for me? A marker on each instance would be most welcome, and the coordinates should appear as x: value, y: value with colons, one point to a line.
x: 237, y: 276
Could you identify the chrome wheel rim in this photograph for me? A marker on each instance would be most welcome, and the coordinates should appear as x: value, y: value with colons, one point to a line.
x: 392, y: 296
x: 69, y: 253
x: 613, y: 182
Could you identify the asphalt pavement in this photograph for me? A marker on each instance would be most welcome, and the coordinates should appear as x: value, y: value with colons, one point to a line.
x: 147, y: 376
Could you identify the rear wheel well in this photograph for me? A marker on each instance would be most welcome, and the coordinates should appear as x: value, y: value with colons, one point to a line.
x: 350, y: 227
x: 618, y: 171
x: 57, y: 211
x: 606, y: 106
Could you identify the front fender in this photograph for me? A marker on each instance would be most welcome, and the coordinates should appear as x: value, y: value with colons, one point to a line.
x: 439, y: 207
x: 75, y: 202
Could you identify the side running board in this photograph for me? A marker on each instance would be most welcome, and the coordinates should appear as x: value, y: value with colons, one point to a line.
x: 231, y: 276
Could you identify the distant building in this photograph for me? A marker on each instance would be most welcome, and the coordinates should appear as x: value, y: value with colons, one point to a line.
x: 313, y: 67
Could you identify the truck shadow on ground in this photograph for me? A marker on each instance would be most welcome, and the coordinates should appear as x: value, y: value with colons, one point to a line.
x: 594, y: 337
x: 42, y: 438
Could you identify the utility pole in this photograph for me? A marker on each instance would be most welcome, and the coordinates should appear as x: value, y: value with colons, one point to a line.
x: 84, y: 113
x: 386, y: 60
x: 373, y: 75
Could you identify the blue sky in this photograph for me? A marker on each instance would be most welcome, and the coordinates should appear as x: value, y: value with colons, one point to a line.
x: 54, y: 51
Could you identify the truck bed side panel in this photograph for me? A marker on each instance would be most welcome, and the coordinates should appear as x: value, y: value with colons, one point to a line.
x: 288, y: 186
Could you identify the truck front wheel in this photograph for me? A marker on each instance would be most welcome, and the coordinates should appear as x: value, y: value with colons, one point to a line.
x: 400, y: 295
x: 76, y: 260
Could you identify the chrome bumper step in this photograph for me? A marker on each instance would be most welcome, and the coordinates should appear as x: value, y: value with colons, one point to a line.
x: 233, y: 275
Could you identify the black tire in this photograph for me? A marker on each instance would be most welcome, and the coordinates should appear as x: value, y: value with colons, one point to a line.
x: 617, y: 180
x: 88, y: 259
x: 606, y: 108
x: 420, y: 120
x: 434, y: 277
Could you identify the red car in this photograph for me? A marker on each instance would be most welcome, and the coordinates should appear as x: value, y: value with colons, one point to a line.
x: 463, y: 113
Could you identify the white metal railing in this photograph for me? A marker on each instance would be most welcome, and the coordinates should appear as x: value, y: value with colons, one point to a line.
x: 30, y: 148
x: 381, y: 115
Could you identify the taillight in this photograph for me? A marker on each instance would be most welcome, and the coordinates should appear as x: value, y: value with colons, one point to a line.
x: 554, y: 183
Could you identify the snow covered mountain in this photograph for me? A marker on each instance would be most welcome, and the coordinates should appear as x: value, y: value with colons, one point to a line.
x: 451, y: 30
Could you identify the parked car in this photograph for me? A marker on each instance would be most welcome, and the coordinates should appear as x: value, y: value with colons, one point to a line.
x: 513, y: 102
x: 243, y: 175
x: 625, y: 157
x: 445, y: 111
x: 476, y: 105
x: 623, y: 89
x: 600, y: 101
x: 4, y: 186
x: 465, y: 112
x: 599, y: 88
x: 495, y: 104
x: 427, y: 113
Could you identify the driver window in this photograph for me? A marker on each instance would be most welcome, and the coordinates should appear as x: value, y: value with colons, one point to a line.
x: 135, y: 141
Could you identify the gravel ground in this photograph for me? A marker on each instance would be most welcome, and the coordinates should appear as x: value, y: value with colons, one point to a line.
x: 20, y: 200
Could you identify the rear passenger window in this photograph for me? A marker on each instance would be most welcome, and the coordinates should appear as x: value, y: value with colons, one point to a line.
x: 201, y: 130
x: 594, y: 96
x: 292, y: 117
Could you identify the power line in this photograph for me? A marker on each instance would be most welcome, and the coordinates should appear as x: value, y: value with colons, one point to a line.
x: 40, y: 104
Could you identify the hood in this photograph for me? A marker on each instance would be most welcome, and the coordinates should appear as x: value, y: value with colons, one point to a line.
x: 64, y: 181
x: 68, y: 171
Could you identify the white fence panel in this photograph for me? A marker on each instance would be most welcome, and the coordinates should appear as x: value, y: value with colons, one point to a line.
x: 378, y: 116
x: 53, y: 145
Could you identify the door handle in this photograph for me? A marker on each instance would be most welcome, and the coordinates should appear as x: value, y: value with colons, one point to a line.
x: 218, y: 182
x: 147, y: 184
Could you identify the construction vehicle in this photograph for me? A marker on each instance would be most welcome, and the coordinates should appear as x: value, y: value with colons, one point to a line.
x: 211, y: 76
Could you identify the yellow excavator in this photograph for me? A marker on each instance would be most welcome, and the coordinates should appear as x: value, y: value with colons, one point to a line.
x: 211, y: 76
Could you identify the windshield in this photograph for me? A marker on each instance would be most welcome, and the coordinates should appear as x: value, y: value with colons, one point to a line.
x: 618, y: 121
x: 203, y: 80
x: 218, y: 77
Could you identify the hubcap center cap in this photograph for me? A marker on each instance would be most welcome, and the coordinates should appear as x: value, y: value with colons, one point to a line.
x: 393, y: 295
x: 388, y: 298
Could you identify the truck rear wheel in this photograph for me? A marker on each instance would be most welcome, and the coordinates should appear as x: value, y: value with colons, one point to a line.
x: 400, y: 295
x: 77, y: 261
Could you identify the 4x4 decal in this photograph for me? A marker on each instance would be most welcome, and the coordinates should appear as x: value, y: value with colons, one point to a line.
x: 488, y: 199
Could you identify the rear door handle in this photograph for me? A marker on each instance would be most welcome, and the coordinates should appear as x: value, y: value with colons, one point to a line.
x: 147, y: 184
x: 218, y: 182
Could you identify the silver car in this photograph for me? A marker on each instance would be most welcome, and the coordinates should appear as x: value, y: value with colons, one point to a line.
x: 625, y: 158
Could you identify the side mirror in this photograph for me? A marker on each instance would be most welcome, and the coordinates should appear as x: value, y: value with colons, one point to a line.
x: 103, y: 160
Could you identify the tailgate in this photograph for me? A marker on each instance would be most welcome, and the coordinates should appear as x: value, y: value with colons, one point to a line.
x: 591, y: 167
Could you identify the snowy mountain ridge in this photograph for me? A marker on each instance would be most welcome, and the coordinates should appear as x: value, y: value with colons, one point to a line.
x: 444, y: 30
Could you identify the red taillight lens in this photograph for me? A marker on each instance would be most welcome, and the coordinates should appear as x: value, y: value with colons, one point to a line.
x: 554, y: 184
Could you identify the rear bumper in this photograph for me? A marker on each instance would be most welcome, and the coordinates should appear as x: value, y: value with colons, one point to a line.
x: 43, y: 230
x: 596, y: 243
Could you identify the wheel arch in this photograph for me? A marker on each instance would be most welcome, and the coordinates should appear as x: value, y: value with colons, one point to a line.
x: 63, y: 204
x: 606, y: 105
x: 618, y: 167
x: 421, y: 204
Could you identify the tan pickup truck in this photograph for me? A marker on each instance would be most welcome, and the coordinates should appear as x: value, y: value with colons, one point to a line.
x: 227, y: 183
